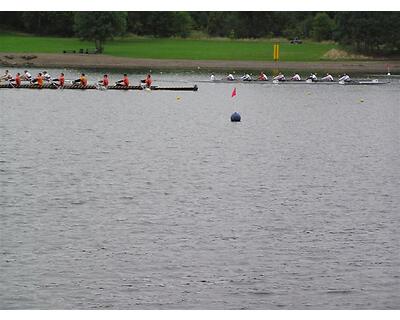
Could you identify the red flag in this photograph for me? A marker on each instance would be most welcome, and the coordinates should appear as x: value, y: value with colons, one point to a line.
x: 234, y: 92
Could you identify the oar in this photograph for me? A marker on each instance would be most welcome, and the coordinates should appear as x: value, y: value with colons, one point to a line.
x: 119, y: 82
x: 100, y: 87
x: 173, y: 80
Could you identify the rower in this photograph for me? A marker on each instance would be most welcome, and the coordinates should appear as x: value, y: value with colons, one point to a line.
x: 148, y: 81
x: 246, y: 77
x: 312, y: 77
x: 262, y: 76
x: 82, y: 80
x: 212, y: 77
x: 345, y: 78
x: 26, y: 76
x: 280, y: 77
x: 39, y: 79
x: 105, y: 81
x: 124, y: 82
x: 46, y: 76
x: 17, y: 79
x: 296, y: 77
x: 328, y: 77
x: 230, y: 77
x: 61, y: 80
x: 7, y: 76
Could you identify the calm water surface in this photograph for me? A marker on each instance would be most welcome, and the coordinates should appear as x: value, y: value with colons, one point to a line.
x: 155, y: 200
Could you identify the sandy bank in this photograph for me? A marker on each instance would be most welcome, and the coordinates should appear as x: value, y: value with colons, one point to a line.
x: 120, y: 63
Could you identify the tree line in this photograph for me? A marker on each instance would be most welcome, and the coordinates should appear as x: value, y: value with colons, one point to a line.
x: 365, y: 32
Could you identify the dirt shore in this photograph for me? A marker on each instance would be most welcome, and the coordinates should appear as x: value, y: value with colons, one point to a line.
x: 109, y: 62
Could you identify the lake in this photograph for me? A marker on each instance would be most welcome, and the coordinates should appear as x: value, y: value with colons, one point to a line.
x: 155, y: 200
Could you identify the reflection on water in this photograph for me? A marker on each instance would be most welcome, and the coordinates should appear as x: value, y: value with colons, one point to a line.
x: 155, y: 200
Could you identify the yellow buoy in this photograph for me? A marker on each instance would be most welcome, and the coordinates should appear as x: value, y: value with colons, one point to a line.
x: 178, y: 98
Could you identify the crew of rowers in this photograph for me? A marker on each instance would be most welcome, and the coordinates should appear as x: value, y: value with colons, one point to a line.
x: 281, y: 77
x: 45, y: 77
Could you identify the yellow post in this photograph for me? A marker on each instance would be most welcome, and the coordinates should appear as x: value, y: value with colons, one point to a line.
x: 276, y: 52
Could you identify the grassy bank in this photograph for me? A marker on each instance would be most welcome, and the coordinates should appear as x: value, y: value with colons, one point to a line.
x: 245, y: 50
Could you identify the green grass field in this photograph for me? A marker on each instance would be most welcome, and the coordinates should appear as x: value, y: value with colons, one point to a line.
x: 261, y: 50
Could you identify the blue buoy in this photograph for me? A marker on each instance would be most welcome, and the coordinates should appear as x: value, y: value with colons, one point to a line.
x: 235, y: 117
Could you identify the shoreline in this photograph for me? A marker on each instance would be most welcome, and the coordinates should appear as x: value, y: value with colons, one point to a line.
x: 122, y: 63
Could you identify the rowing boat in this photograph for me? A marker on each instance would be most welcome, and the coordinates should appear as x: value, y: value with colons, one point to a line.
x: 264, y: 81
x: 94, y: 87
x: 309, y: 82
x: 235, y: 81
x: 348, y: 83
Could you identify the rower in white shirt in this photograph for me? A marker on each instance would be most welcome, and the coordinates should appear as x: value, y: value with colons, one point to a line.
x: 246, y: 77
x: 6, y: 76
x: 26, y: 76
x: 280, y: 77
x: 296, y: 77
x: 312, y: 77
x: 328, y: 77
x: 230, y: 77
x: 212, y: 77
x: 345, y: 78
x: 47, y: 76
